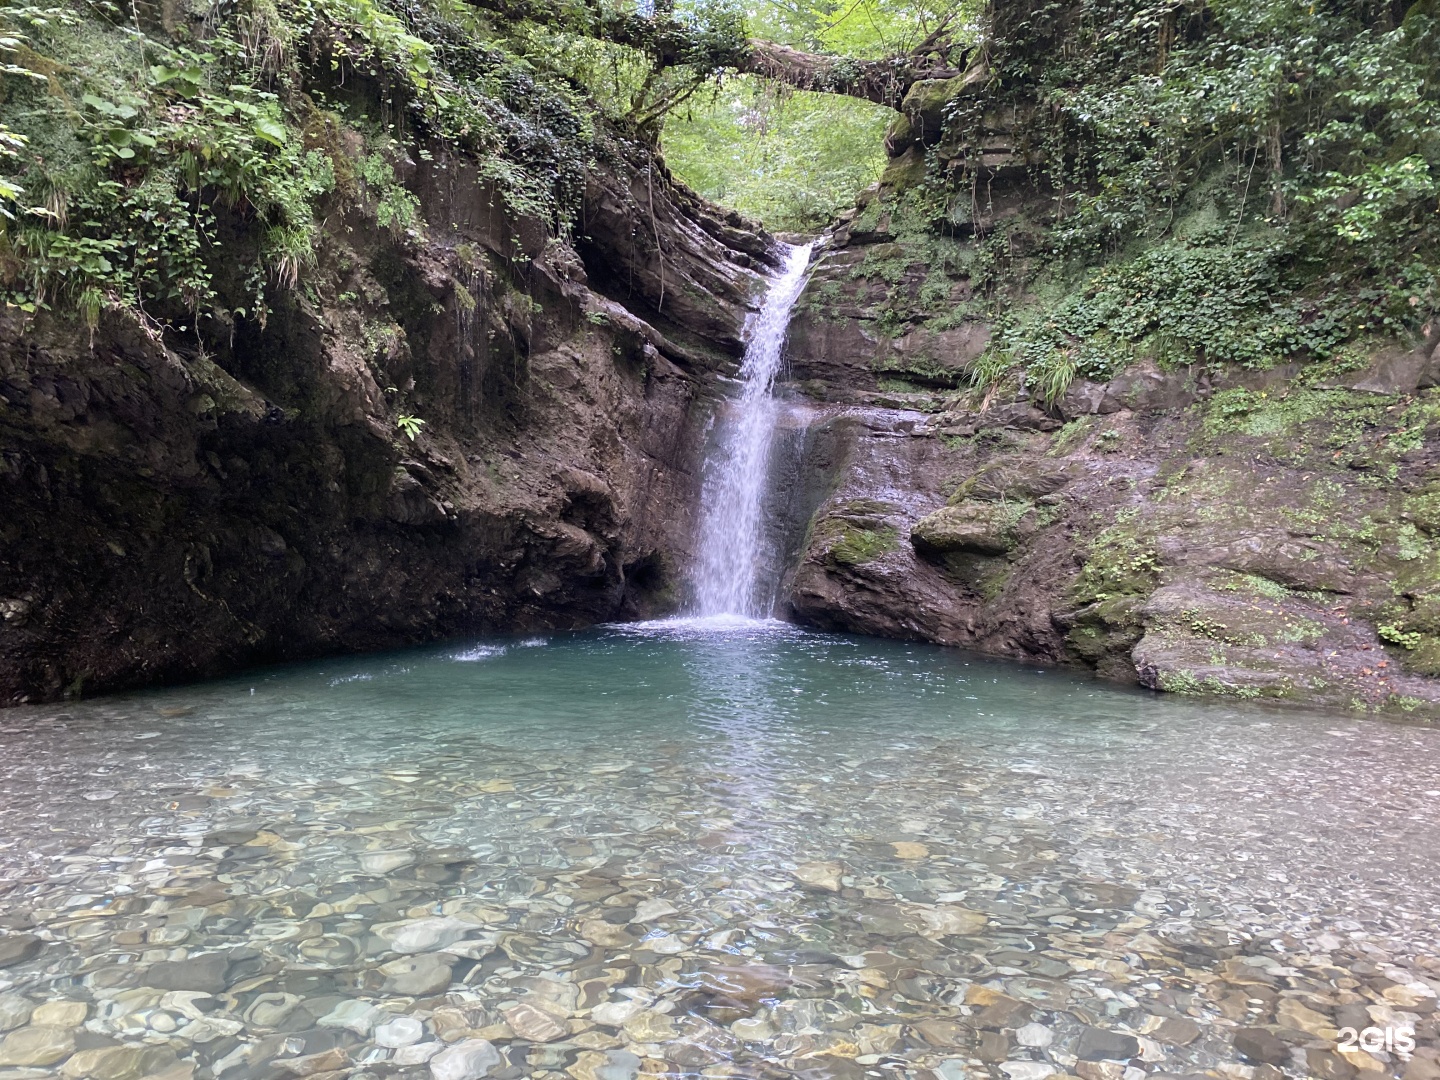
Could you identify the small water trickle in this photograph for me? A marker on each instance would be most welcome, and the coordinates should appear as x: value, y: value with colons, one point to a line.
x: 732, y: 555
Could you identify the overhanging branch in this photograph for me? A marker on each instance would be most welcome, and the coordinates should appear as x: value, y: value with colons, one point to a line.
x: 669, y: 42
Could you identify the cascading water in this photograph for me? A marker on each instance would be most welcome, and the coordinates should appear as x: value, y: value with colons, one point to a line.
x: 731, y: 532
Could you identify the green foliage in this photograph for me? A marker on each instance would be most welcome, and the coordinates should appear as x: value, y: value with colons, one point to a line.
x: 1236, y: 183
x: 188, y: 178
x: 853, y: 546
x: 1118, y: 562
x: 410, y: 425
x: 793, y: 160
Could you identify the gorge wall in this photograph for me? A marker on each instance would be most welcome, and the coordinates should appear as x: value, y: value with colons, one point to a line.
x: 1258, y: 533
x: 173, y: 512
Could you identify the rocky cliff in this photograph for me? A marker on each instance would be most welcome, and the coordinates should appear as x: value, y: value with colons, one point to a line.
x: 1255, y: 534
x: 174, y: 512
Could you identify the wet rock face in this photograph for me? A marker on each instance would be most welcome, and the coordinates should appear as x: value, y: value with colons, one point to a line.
x: 173, y: 514
x: 1247, y: 534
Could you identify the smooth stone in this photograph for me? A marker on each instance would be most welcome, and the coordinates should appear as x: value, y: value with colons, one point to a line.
x: 1035, y: 1035
x: 382, y: 862
x: 15, y: 1010
x: 327, y: 1061
x: 1098, y: 1044
x: 17, y: 948
x: 102, y: 795
x: 650, y: 910
x: 401, y: 1031
x: 1257, y: 1044
x: 189, y: 1003
x: 1323, y: 1065
x: 612, y: 1065
x: 209, y: 1028
x: 945, y: 919
x: 650, y: 1027
x: 908, y: 849
x: 822, y: 875
x: 60, y: 1014
x: 1100, y: 1070
x: 417, y: 1054
x: 1027, y: 1070
x: 203, y: 973
x: 36, y: 1045
x: 1175, y: 1030
x: 951, y: 1069
x: 753, y: 1029
x: 118, y: 1063
x: 356, y: 1016
x: 666, y: 945
x: 616, y: 1013
x: 468, y: 1059
x: 418, y: 976
x: 528, y: 1022
x: 1291, y: 1013
x: 423, y: 935
x: 606, y: 934
x: 271, y: 1010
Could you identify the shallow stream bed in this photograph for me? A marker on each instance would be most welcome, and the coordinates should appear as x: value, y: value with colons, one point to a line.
x: 718, y: 849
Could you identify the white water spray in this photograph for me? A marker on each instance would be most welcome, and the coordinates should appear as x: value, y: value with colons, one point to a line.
x: 731, y: 531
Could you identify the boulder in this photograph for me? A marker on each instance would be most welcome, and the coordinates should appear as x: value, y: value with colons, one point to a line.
x: 980, y: 527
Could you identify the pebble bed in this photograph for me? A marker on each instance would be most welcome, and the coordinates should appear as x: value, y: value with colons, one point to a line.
x: 790, y: 856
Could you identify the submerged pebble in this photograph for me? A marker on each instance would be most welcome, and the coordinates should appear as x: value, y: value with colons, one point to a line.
x: 1063, y: 893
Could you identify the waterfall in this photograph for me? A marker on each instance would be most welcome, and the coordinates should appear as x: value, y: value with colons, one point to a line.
x: 732, y: 551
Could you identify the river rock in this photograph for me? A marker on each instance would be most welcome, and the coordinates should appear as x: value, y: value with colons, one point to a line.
x: 650, y: 910
x: 611, y: 1065
x: 615, y: 1013
x: 418, y: 976
x: 205, y: 973
x: 36, y: 1045
x: 468, y: 1059
x: 942, y: 920
x: 423, y: 935
x: 67, y: 1014
x: 650, y: 1027
x: 528, y: 1022
x: 356, y: 1016
x: 417, y: 1054
x: 909, y: 849
x: 822, y: 875
x: 1291, y: 1013
x: 1097, y: 1044
x: 401, y: 1031
x: 118, y: 1063
x: 1257, y: 1044
x: 1034, y: 1035
x: 17, y: 948
x: 15, y: 1010
x: 1027, y: 1070
x: 384, y: 862
x: 326, y: 1061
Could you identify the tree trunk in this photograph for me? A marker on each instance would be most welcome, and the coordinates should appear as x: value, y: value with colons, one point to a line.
x: 669, y: 42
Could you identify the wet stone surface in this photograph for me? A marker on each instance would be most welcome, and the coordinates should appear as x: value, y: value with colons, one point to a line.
x: 686, y: 852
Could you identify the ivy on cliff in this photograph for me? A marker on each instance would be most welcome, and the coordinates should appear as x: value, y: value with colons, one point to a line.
x: 1232, y: 182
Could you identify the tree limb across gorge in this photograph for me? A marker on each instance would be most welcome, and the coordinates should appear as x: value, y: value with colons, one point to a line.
x: 670, y: 42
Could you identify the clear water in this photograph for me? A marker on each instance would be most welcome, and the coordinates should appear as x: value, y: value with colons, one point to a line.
x: 732, y: 559
x: 705, y: 848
